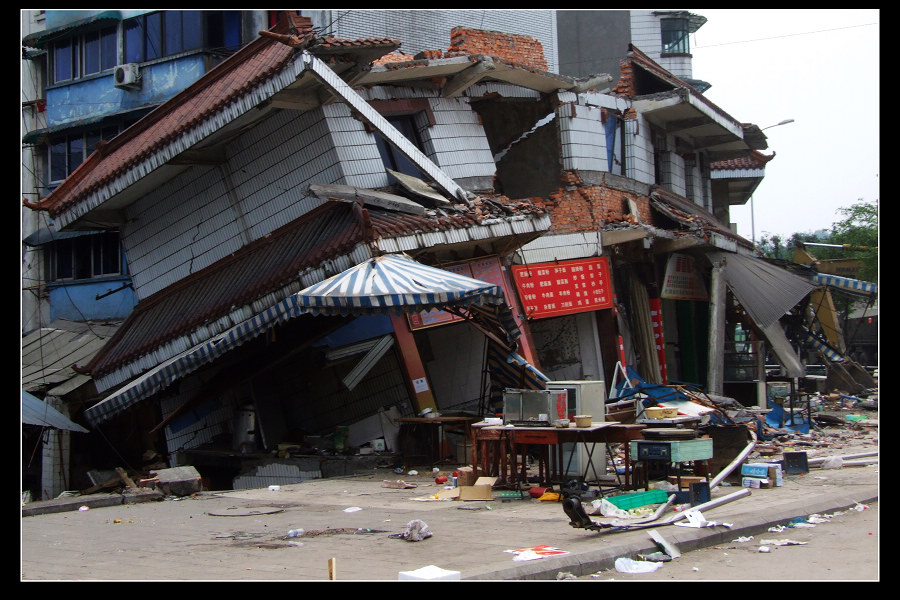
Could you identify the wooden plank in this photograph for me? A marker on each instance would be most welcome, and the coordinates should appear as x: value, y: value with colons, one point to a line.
x: 125, y: 478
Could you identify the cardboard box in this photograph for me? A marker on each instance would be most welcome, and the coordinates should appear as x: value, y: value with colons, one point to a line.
x: 770, y: 471
x: 686, y: 480
x: 466, y: 476
x: 755, y: 482
x: 482, y: 490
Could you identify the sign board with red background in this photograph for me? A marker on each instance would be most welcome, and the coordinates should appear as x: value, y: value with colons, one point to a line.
x: 563, y: 288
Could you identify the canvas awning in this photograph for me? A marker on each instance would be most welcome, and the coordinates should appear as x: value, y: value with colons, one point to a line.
x: 845, y: 284
x: 394, y: 283
x: 389, y: 283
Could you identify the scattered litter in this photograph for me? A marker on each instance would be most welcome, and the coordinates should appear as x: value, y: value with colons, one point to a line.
x: 832, y: 462
x: 295, y: 533
x: 628, y: 565
x: 398, y: 484
x: 655, y: 557
x: 564, y: 575
x: 295, y: 543
x: 782, y: 542
x: 859, y: 507
x: 799, y: 522
x: 536, y: 552
x: 412, y: 473
x: 83, y: 508
x: 352, y: 509
x: 776, y: 528
x: 274, y: 488
x: 743, y: 539
x: 764, y: 549
x: 121, y: 521
x: 416, y: 531
x: 668, y: 547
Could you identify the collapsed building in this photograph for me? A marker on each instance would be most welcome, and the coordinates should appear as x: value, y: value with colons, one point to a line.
x: 592, y: 207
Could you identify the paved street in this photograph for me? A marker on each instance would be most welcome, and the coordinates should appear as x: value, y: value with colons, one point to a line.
x: 243, y: 535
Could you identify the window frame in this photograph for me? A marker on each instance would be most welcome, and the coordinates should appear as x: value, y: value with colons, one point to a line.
x: 74, y: 148
x: 83, y: 258
x: 77, y: 49
x: 148, y: 37
x: 678, y: 31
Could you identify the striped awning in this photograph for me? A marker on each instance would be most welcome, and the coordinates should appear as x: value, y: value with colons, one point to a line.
x: 845, y: 284
x: 509, y: 370
x: 394, y: 283
x: 390, y: 283
x: 815, y: 343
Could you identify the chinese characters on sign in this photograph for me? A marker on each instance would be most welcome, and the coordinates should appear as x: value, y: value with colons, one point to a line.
x: 487, y: 270
x: 554, y: 289
x: 682, y: 281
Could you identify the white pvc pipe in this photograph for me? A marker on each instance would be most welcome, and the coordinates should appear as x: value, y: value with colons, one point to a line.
x: 707, y: 505
x: 732, y: 465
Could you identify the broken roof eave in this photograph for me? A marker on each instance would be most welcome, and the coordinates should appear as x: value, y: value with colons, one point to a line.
x: 511, y: 232
x: 117, y: 192
x: 679, y: 111
x: 462, y: 72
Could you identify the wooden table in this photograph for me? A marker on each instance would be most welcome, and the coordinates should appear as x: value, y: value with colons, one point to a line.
x: 491, y: 444
x: 437, y: 427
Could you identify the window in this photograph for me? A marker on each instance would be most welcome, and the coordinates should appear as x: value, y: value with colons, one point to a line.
x: 675, y: 36
x: 393, y: 159
x: 689, y: 165
x: 662, y: 162
x: 67, y: 152
x: 84, y: 54
x: 85, y: 257
x: 165, y: 33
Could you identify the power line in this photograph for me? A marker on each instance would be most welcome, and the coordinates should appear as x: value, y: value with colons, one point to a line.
x: 775, y: 37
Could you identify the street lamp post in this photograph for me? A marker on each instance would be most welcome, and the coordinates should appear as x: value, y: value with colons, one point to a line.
x: 752, y: 216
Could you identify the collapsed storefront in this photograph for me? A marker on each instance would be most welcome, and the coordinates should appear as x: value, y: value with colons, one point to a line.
x: 229, y: 373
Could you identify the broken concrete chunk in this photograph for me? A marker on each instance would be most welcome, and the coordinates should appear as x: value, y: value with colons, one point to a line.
x: 178, y: 481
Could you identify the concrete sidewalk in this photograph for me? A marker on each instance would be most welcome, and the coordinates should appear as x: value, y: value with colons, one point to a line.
x: 357, y: 522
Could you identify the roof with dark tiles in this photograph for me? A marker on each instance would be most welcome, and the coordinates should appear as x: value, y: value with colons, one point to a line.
x: 754, y: 160
x: 242, y: 71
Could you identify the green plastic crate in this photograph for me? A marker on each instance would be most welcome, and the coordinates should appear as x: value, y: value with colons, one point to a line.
x: 628, y: 501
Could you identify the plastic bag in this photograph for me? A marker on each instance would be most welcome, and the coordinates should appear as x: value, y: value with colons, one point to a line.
x: 627, y: 565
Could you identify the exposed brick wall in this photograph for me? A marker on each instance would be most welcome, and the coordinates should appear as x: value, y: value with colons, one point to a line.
x: 517, y: 48
x: 577, y: 207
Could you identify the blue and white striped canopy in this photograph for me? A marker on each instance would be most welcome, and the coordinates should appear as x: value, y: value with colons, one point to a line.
x: 845, y: 284
x: 394, y: 283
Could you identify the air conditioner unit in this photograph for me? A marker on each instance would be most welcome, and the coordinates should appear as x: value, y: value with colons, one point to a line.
x: 127, y: 76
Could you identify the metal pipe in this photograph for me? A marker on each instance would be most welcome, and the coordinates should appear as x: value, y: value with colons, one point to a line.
x: 816, y: 461
x: 707, y: 505
x: 732, y: 465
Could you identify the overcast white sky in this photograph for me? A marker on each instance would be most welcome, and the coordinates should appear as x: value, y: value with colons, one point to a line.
x: 818, y: 67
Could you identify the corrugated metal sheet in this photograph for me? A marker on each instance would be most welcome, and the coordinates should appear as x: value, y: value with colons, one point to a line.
x: 49, y: 353
x: 766, y: 291
x: 37, y: 412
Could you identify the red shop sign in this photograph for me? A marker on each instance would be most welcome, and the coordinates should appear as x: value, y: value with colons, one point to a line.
x: 554, y: 289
